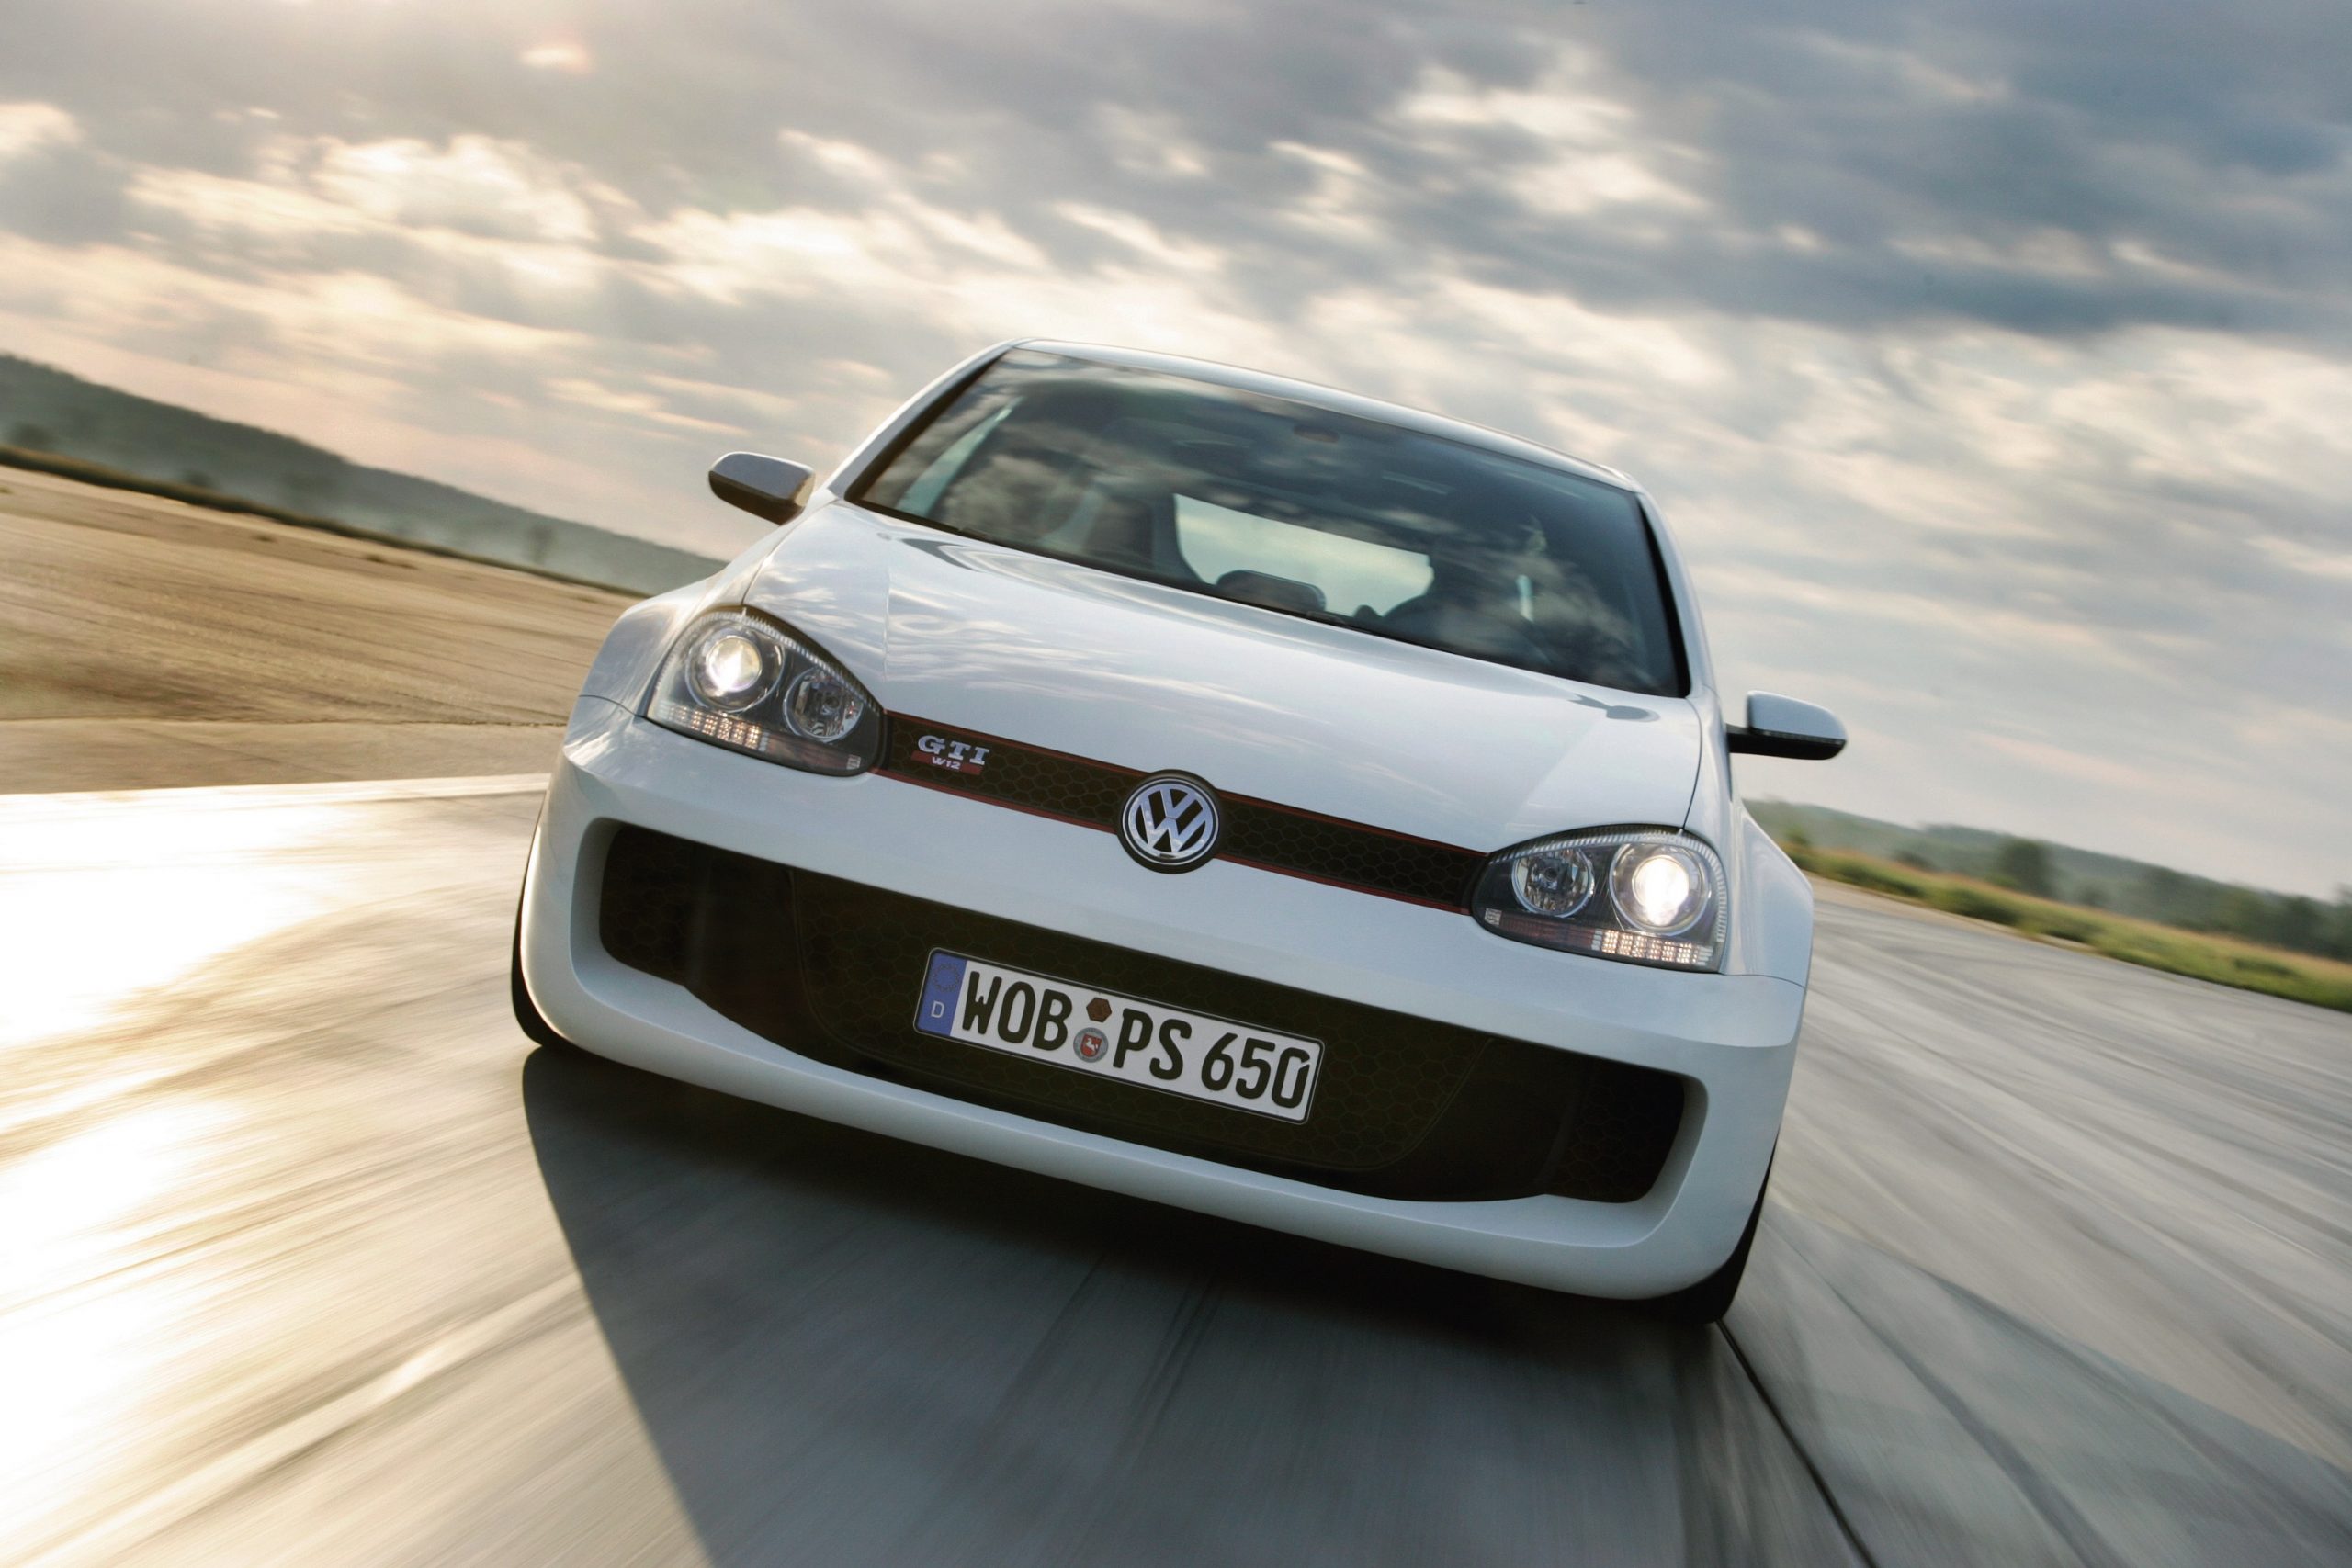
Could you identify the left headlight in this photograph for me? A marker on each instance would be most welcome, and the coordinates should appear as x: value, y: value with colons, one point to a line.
x: 1641, y: 895
x: 741, y: 681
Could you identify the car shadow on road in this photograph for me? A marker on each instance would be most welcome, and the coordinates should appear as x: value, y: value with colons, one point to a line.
x: 851, y: 1350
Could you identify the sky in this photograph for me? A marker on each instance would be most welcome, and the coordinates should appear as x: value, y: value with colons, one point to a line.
x: 1992, y: 362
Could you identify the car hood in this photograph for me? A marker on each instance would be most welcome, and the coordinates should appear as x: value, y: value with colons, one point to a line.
x: 1029, y: 649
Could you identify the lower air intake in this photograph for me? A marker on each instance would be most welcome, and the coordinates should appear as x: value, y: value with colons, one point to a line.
x: 1405, y: 1108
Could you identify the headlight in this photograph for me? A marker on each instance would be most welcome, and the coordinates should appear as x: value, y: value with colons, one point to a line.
x: 738, y: 679
x: 1645, y: 896
x: 823, y: 704
x: 730, y: 669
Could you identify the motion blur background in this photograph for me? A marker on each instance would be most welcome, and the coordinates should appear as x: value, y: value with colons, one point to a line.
x: 1992, y: 360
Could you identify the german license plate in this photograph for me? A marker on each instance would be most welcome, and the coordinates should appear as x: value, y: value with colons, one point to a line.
x: 1114, y: 1036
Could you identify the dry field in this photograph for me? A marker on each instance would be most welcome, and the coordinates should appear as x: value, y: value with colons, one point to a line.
x: 144, y: 643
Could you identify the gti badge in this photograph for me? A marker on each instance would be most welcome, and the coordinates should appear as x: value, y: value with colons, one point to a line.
x: 1169, y: 822
x: 955, y: 756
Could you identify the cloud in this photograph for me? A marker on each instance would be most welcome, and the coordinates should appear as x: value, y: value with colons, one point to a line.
x: 1141, y: 236
x: 28, y: 127
x: 565, y: 55
x: 475, y: 185
x: 1579, y: 151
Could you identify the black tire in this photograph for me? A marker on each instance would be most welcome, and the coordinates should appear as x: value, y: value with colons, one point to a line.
x: 527, y: 1011
x: 1707, y: 1301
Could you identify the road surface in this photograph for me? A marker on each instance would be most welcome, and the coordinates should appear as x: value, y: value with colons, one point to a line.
x: 308, y: 1258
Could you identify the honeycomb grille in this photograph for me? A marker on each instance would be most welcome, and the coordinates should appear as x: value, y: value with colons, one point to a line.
x: 1260, y: 833
x: 1405, y: 1107
x: 1025, y: 776
x: 1281, y: 840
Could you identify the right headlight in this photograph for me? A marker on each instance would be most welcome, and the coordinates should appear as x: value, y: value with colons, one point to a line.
x: 741, y: 681
x: 1639, y: 894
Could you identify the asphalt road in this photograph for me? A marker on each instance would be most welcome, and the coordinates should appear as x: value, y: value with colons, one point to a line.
x: 308, y: 1258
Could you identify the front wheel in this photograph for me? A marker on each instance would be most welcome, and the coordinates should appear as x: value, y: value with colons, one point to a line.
x: 1707, y: 1301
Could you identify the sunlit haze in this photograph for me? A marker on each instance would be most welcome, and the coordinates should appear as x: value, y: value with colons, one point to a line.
x: 1991, y: 362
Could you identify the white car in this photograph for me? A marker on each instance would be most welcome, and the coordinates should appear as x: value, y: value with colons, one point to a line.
x: 1215, y: 788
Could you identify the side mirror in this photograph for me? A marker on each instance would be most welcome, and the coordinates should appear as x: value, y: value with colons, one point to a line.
x: 1783, y: 726
x: 764, y: 487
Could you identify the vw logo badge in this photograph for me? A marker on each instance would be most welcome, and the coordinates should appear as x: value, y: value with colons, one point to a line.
x: 1169, y: 822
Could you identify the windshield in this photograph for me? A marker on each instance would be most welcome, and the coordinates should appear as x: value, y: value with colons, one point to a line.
x: 1298, y: 510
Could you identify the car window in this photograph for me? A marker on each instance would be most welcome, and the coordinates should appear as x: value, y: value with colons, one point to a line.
x: 1216, y: 540
x: 923, y: 494
x: 1295, y: 509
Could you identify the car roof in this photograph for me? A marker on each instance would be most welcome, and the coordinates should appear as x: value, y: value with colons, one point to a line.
x: 1332, y: 399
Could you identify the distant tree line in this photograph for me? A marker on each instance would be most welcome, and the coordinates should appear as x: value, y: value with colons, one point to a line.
x: 2081, y: 877
x: 47, y: 412
x: 2281, y: 920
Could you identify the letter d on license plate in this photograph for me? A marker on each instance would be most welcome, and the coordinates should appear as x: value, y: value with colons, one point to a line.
x: 1106, y: 1033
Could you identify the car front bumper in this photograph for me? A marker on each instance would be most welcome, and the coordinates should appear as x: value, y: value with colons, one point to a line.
x: 1731, y: 1037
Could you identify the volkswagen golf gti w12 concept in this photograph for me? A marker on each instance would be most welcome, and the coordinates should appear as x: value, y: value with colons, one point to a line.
x: 1219, y: 789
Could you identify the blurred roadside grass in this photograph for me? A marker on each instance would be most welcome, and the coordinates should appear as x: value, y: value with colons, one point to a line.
x: 2224, y: 960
